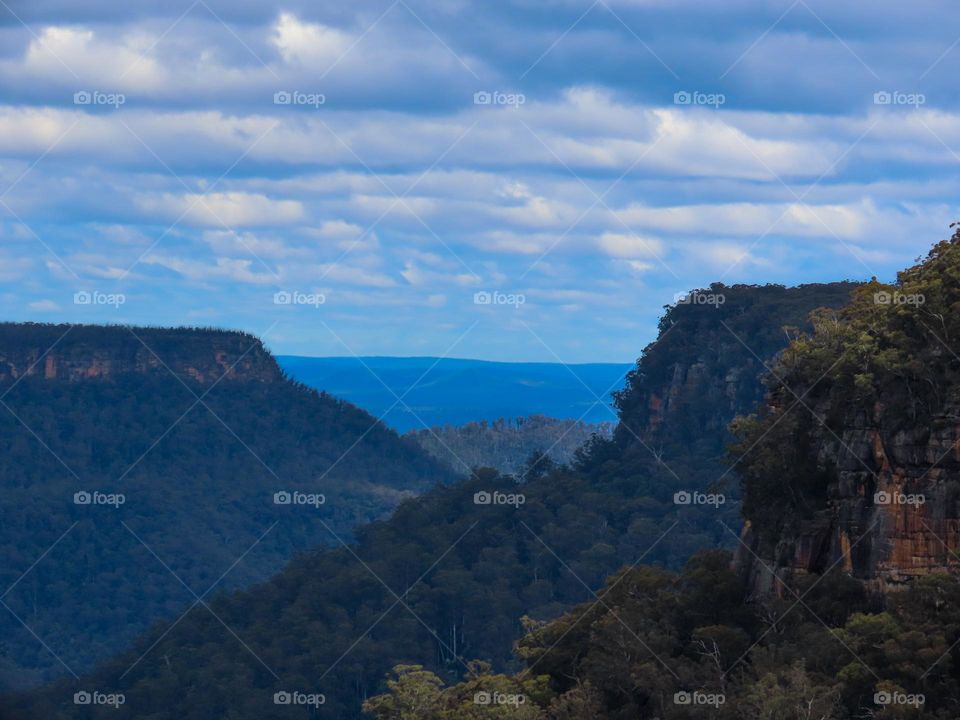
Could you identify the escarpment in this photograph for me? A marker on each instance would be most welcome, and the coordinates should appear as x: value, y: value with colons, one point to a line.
x: 82, y: 352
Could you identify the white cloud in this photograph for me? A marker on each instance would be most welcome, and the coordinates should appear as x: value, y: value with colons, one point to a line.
x: 524, y: 243
x: 351, y: 275
x: 44, y: 306
x: 222, y: 268
x: 232, y: 242
x: 344, y: 235
x: 630, y: 246
x: 233, y: 209
x: 421, y: 277
x: 310, y: 43
x: 745, y: 218
x: 14, y: 268
x: 722, y: 256
x: 539, y: 212
x: 78, y: 55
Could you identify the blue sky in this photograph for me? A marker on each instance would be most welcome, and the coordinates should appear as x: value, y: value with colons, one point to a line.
x: 345, y: 178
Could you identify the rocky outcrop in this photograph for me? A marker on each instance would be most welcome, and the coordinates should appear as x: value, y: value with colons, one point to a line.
x: 892, y: 513
x: 79, y: 352
x: 729, y: 394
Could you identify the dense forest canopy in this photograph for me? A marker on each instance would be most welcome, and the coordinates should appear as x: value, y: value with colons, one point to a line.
x: 655, y: 644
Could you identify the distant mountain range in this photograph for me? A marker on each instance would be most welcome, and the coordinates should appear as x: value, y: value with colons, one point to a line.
x: 409, y: 393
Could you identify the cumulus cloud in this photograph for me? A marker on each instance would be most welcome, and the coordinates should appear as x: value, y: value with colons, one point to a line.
x: 311, y: 43
x: 223, y: 209
x: 629, y: 246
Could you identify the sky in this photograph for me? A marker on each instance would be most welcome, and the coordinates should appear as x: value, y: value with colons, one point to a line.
x: 506, y: 180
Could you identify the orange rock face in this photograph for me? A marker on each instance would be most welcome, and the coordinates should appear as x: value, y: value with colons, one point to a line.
x: 196, y: 355
x: 891, y: 515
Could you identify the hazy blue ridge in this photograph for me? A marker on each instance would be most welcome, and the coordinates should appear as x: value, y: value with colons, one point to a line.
x: 456, y: 391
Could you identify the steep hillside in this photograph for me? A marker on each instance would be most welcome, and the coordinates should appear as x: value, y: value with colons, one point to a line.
x: 864, y: 472
x: 450, y: 575
x: 136, y: 463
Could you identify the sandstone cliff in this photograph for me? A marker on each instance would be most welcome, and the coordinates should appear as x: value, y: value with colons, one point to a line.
x: 79, y: 352
x: 891, y: 512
